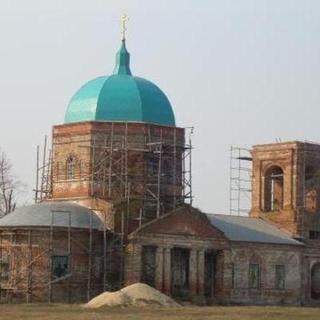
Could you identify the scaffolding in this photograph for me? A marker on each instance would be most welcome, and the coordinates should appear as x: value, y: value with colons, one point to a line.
x: 187, y: 168
x: 240, y: 181
x: 308, y: 161
x: 308, y: 157
x: 121, y: 165
x: 143, y: 175
x: 43, y: 187
x: 152, y: 171
x: 33, y: 251
x: 314, y: 173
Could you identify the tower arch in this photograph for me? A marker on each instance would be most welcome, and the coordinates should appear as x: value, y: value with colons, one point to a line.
x: 286, y: 186
x: 273, y: 188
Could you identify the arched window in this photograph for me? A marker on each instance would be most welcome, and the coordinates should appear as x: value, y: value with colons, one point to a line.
x: 254, y: 271
x: 310, y: 185
x: 82, y: 168
x: 315, y: 282
x: 70, y: 165
x: 273, y: 191
x: 153, y: 166
x: 254, y: 276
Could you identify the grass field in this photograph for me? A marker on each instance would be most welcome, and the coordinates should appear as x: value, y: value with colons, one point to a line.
x: 76, y: 312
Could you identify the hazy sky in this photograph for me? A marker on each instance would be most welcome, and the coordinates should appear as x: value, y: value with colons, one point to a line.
x: 241, y: 72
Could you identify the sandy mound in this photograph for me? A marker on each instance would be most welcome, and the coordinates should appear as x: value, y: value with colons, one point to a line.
x: 110, y: 299
x: 141, y: 293
x: 138, y: 294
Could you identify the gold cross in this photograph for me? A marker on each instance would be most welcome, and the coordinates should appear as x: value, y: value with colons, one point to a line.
x: 124, y: 20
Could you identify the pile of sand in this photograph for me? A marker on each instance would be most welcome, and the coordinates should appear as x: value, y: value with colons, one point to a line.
x: 138, y: 294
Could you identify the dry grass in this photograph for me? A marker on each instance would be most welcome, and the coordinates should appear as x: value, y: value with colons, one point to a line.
x: 76, y: 312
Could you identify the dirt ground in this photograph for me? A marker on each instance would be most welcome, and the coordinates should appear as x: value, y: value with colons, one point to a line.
x: 77, y: 312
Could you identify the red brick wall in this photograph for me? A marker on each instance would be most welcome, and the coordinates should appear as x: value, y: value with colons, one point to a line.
x: 299, y: 213
x: 29, y: 265
x: 129, y: 172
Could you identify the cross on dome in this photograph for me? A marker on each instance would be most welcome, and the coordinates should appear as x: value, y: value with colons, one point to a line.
x: 123, y: 20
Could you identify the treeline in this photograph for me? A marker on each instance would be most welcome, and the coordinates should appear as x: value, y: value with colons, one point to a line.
x: 10, y: 186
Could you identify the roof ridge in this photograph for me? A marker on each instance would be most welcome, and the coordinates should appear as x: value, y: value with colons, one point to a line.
x: 230, y: 215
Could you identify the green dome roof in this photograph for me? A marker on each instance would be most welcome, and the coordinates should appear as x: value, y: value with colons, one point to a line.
x: 120, y: 97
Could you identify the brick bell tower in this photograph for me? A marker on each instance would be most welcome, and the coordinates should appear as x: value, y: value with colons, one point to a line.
x: 119, y: 151
x: 286, y: 186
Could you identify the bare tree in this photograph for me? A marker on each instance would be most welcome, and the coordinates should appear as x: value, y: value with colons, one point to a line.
x: 10, y: 186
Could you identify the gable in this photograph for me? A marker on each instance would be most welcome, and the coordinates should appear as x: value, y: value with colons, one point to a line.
x: 185, y: 221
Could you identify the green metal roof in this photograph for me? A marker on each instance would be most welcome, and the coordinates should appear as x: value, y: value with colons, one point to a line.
x: 120, y: 97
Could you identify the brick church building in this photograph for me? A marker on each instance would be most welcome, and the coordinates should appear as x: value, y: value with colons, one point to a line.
x: 114, y: 207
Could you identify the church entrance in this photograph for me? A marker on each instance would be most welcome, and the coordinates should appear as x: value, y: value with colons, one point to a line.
x: 180, y: 273
x: 315, y: 281
x: 148, y: 270
x: 209, y: 274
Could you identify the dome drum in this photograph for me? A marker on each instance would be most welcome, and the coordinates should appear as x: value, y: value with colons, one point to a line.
x: 141, y: 139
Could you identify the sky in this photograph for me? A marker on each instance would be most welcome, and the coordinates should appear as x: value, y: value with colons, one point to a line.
x: 242, y: 72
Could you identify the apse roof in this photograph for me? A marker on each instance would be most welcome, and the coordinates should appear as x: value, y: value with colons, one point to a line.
x: 239, y: 228
x: 57, y: 213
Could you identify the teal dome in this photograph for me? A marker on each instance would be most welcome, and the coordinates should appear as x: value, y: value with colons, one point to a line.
x: 120, y: 97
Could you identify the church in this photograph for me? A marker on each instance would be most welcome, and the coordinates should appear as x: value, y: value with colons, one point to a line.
x: 114, y: 207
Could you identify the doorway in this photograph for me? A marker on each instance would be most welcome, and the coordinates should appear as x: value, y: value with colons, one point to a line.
x: 315, y: 282
x: 180, y: 273
x: 148, y: 270
x: 209, y: 274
